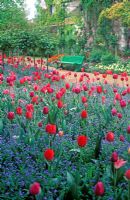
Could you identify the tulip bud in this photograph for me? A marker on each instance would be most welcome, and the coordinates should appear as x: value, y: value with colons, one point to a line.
x: 35, y: 188
x: 114, y: 111
x: 119, y: 115
x: 122, y: 139
x: 127, y: 174
x: 99, y: 189
x: 40, y: 124
x: 45, y: 110
x: 60, y: 133
x: 10, y: 115
x: 114, y: 157
x: 110, y: 136
x: 128, y: 129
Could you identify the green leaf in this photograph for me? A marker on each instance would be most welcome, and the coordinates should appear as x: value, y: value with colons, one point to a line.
x: 75, y: 150
x: 70, y: 179
x: 1, y: 125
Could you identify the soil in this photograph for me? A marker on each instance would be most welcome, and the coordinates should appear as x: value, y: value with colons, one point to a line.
x: 92, y: 77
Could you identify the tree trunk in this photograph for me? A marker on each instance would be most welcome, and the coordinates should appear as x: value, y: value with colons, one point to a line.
x: 47, y: 64
x: 34, y: 60
x: 41, y: 62
x: 3, y: 60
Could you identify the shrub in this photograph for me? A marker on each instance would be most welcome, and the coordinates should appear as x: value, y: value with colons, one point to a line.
x: 95, y: 55
x: 108, y: 59
x: 126, y: 52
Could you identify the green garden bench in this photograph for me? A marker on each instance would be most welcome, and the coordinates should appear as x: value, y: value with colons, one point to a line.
x: 74, y: 60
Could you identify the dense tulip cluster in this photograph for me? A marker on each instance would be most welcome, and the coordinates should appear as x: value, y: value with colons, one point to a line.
x: 69, y: 132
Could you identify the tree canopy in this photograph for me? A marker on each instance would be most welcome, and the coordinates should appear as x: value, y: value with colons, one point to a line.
x: 12, y: 14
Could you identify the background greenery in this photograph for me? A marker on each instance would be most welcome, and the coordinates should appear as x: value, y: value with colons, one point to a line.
x: 91, y: 29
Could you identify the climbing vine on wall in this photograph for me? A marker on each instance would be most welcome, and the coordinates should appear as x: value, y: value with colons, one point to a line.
x: 117, y: 11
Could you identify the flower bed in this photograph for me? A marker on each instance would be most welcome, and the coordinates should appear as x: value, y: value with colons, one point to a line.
x: 116, y: 68
x: 61, y: 140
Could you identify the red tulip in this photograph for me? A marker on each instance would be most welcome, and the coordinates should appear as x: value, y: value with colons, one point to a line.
x: 80, y: 79
x: 82, y: 69
x: 82, y: 140
x: 114, y: 157
x: 123, y: 103
x: 6, y: 91
x: 50, y: 90
x: 36, y: 87
x: 35, y: 99
x: 122, y: 138
x: 10, y: 115
x: 77, y: 90
x: 28, y: 115
x: 110, y: 137
x: 35, y: 188
x: 58, y: 95
x: 114, y: 111
x: 96, y: 73
x: 40, y: 124
x: 45, y: 110
x: 115, y: 90
x: 124, y: 93
x: 127, y: 174
x: 128, y: 90
x: 49, y: 154
x: 99, y: 89
x: 118, y: 97
x: 84, y: 114
x: 104, y: 75
x: 31, y: 94
x: 30, y: 107
x: 128, y: 129
x: 75, y: 75
x: 19, y: 111
x: 109, y: 72
x: 103, y: 99
x: 59, y: 104
x: 105, y: 82
x: 119, y: 163
x: 84, y: 99
x: 51, y: 128
x: 115, y: 76
x: 63, y: 76
x: 67, y: 85
x: 99, y: 189
x: 119, y: 115
x: 85, y: 88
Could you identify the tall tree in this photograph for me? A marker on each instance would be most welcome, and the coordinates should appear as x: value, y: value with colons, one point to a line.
x: 12, y: 14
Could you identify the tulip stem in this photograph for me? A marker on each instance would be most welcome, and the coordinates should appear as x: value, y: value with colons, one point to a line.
x: 128, y: 189
x: 115, y: 180
x: 115, y: 177
x: 38, y: 197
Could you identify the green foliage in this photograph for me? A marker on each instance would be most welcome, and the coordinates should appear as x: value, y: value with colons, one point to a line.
x: 45, y: 17
x: 117, y: 11
x: 96, y: 55
x: 49, y: 2
x: 5, y: 42
x: 126, y: 52
x: 24, y: 41
x: 46, y: 45
x: 108, y: 58
x: 87, y: 4
x: 12, y: 14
